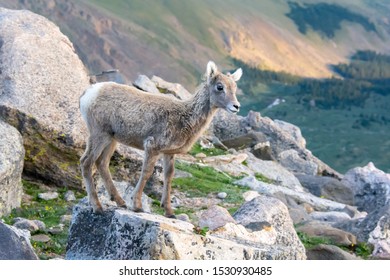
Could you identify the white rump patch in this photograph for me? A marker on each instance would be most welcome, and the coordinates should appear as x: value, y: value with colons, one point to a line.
x: 89, y: 97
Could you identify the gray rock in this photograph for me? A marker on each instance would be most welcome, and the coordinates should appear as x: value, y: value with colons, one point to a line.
x: 41, y: 80
x: 11, y: 167
x: 215, y: 217
x: 15, y: 244
x: 66, y: 219
x: 265, y: 209
x: 121, y: 234
x: 125, y: 190
x: 380, y: 238
x: 249, y: 195
x: 320, y: 229
x: 294, y: 163
x: 40, y: 238
x: 222, y: 195
x: 48, y: 195
x: 30, y: 225
x: 299, y: 215
x: 293, y: 130
x: 329, y: 252
x: 112, y: 75
x: 330, y: 216
x: 69, y: 196
x: 318, y: 204
x: 327, y: 187
x: 273, y: 171
x: 144, y: 83
x: 176, y: 89
x: 371, y: 187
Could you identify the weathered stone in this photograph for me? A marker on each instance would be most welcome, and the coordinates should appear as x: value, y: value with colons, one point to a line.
x: 176, y: 89
x: 15, y: 244
x: 249, y: 195
x: 330, y: 216
x: 122, y: 234
x: 299, y: 215
x: 223, y: 159
x: 112, y: 75
x: 69, y: 196
x: 125, y: 190
x: 48, y: 195
x: 329, y: 252
x: 222, y: 195
x: 11, y: 166
x: 41, y: 80
x: 40, y: 238
x: 380, y: 238
x: 215, y: 217
x: 294, y: 163
x: 371, y: 187
x: 30, y: 225
x: 144, y: 83
x: 263, y: 151
x: 327, y: 187
x: 266, y: 209
x: 293, y: 130
x: 320, y: 229
x: 318, y: 204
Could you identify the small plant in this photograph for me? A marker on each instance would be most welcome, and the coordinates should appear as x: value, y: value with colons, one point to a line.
x: 197, y: 148
x: 201, y: 231
x: 263, y: 178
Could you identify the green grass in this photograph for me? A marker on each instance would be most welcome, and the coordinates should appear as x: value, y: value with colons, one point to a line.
x: 363, y: 250
x: 197, y: 148
x: 206, y: 180
x: 50, y: 213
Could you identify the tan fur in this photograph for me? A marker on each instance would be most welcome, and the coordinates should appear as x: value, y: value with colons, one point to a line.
x: 154, y: 123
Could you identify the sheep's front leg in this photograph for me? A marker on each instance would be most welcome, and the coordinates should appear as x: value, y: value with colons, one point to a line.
x: 169, y: 169
x: 150, y: 159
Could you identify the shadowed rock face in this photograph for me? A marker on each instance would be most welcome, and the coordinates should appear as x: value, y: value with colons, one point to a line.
x: 15, y: 244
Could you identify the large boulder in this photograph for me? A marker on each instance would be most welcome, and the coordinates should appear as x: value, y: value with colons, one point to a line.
x: 123, y: 234
x: 11, y: 167
x: 282, y: 137
x: 370, y: 186
x: 268, y: 212
x: 15, y: 244
x: 41, y: 80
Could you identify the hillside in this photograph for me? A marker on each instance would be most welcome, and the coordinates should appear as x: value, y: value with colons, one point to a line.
x: 310, y: 39
x: 175, y: 39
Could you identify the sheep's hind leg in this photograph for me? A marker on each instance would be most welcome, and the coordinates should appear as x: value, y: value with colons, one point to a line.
x: 150, y: 158
x: 103, y: 164
x: 92, y: 153
x: 169, y: 169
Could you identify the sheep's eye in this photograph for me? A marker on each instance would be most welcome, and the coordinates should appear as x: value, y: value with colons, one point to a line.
x: 219, y: 87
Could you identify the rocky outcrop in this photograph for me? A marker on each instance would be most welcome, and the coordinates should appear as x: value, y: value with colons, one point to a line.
x: 281, y: 136
x: 122, y: 234
x: 11, y: 166
x: 41, y: 79
x: 15, y: 244
x: 370, y: 186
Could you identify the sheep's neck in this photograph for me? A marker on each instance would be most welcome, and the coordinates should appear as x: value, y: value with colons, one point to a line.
x: 200, y: 110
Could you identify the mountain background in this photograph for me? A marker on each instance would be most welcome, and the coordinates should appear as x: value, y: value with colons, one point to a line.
x: 322, y: 65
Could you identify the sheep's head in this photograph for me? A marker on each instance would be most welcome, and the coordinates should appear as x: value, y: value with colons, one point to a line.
x: 223, y: 88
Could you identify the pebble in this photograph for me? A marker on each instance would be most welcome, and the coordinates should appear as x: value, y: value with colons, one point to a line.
x: 222, y: 195
x: 40, y: 238
x: 69, y: 196
x: 48, y: 195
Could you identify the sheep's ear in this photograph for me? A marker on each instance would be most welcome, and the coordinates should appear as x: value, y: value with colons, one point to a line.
x: 237, y: 75
x: 211, y: 70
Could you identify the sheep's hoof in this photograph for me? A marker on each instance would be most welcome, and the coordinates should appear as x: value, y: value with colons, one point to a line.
x: 171, y: 216
x: 98, y: 210
x: 138, y: 210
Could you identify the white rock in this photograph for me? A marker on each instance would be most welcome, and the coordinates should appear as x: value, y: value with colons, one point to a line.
x: 249, y: 195
x: 48, y: 195
x: 222, y: 195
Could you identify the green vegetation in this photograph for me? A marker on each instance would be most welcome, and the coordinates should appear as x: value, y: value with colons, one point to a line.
x: 325, y: 18
x: 362, y: 249
x: 206, y: 180
x: 48, y: 212
x: 197, y: 148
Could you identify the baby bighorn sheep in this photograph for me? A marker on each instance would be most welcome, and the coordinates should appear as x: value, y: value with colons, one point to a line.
x: 154, y: 123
